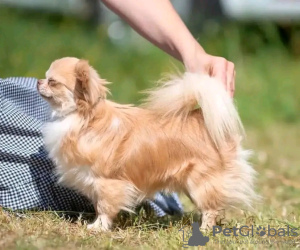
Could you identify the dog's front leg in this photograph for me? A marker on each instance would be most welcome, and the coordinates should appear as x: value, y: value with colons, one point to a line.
x: 110, y: 197
x: 102, y: 222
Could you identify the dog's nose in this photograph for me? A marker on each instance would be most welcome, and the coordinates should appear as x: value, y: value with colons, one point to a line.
x: 39, y: 82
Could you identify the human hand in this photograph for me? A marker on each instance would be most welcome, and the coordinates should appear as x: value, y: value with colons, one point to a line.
x: 215, y: 66
x: 159, y: 23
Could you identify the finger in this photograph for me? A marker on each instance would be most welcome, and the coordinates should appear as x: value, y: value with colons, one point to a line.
x: 220, y: 72
x: 230, y: 76
x: 233, y: 84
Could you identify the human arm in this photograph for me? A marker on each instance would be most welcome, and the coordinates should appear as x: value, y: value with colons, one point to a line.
x: 159, y: 23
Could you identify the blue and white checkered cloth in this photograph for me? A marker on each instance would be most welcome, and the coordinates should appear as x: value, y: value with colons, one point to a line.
x: 27, y: 179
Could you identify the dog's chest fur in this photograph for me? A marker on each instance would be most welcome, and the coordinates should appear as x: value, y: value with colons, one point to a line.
x: 80, y: 178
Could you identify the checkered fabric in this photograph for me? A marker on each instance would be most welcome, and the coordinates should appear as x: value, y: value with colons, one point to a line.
x: 27, y: 180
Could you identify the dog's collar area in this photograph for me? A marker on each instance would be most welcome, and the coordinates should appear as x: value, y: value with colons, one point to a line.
x: 56, y: 116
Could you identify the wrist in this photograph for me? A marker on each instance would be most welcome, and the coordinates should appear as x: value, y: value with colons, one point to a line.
x: 193, y: 57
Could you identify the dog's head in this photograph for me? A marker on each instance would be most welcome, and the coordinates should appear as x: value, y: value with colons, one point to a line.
x: 72, y: 84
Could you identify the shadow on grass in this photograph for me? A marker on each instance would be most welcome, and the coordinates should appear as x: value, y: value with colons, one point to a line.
x: 144, y: 218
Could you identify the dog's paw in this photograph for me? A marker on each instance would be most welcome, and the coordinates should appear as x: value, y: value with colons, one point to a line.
x: 96, y: 227
x: 101, y: 224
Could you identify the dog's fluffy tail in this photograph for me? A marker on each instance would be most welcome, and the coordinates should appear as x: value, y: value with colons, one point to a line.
x: 180, y: 95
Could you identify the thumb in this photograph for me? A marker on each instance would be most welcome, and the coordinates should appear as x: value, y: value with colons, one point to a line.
x: 220, y: 72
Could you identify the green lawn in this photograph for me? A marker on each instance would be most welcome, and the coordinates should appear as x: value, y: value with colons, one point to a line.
x: 267, y: 96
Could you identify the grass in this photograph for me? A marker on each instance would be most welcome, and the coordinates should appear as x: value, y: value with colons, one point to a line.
x: 267, y: 97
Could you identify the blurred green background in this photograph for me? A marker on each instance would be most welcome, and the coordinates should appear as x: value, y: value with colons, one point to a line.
x: 267, y: 84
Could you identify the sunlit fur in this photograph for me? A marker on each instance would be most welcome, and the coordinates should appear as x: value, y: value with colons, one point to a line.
x: 118, y: 155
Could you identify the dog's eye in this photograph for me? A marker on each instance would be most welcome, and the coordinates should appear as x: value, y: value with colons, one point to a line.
x: 51, y: 82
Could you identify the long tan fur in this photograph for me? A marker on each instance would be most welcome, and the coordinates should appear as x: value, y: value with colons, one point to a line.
x: 117, y: 155
x: 180, y: 95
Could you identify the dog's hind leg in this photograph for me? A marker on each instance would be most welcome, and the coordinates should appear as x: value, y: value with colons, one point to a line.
x: 215, y: 188
x: 205, y: 192
x: 111, y: 196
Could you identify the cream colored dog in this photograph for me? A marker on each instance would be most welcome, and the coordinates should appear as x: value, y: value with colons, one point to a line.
x: 118, y: 155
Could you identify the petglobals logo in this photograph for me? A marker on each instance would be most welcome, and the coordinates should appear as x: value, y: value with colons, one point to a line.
x: 246, y: 231
x: 195, y: 237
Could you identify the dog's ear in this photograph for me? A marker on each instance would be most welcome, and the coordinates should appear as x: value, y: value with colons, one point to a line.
x: 89, y: 87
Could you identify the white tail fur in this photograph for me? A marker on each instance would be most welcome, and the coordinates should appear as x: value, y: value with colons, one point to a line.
x: 180, y: 95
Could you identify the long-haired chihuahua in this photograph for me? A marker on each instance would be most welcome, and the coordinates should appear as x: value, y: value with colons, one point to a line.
x: 186, y: 136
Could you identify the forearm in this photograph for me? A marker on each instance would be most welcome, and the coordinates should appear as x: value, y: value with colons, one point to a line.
x: 158, y: 22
